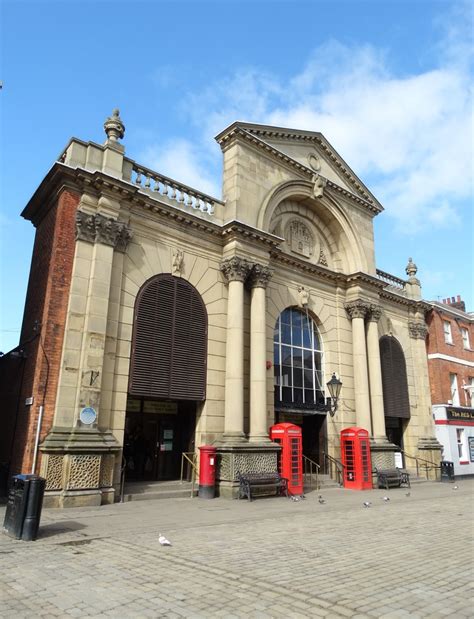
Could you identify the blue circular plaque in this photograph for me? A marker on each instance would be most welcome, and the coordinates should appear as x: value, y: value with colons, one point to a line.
x: 88, y: 415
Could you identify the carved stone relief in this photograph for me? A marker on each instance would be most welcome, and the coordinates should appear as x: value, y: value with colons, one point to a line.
x: 84, y: 472
x: 299, y: 238
x: 101, y: 229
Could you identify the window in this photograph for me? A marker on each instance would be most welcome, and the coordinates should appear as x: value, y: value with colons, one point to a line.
x: 465, y: 338
x: 297, y: 361
x: 448, y: 337
x: 460, y: 442
x: 454, y: 389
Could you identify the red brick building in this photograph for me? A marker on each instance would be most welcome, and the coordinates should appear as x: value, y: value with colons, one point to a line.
x: 450, y: 347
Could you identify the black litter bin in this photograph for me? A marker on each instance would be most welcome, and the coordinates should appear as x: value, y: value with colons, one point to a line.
x: 447, y: 471
x: 25, y: 501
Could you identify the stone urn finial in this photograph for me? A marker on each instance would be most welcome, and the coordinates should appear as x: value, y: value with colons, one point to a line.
x: 114, y: 127
x: 411, y: 268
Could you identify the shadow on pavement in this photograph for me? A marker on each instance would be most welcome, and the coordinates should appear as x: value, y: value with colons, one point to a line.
x: 59, y: 528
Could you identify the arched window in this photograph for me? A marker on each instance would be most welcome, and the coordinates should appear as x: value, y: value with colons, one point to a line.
x: 298, y: 360
x: 169, y: 344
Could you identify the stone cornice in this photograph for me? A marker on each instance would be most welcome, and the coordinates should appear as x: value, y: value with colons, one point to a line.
x: 250, y: 132
x: 307, y: 267
x: 236, y: 229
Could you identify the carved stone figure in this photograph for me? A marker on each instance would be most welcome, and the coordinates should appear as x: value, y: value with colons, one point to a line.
x: 319, y: 185
x: 303, y: 296
x: 177, y: 262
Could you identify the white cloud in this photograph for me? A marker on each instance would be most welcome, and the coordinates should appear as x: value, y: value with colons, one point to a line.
x: 181, y: 161
x: 407, y: 136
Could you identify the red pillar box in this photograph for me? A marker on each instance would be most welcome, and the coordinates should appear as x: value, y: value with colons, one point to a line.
x: 207, y: 472
x: 290, y: 465
x: 355, y: 456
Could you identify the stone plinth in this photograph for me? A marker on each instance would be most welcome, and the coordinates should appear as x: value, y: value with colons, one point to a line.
x: 78, y: 466
x: 248, y: 458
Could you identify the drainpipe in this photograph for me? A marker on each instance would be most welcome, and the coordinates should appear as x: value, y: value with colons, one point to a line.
x: 37, y: 439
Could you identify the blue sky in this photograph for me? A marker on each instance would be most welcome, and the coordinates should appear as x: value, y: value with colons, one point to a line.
x: 385, y: 82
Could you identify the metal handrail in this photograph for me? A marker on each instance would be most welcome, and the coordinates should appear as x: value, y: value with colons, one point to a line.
x: 333, y: 465
x: 189, y: 459
x: 427, y: 465
x: 311, y: 468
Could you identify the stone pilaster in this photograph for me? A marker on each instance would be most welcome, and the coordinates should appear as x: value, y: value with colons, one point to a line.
x: 236, y: 271
x: 258, y: 280
x: 82, y: 447
x: 357, y: 310
x: 428, y: 447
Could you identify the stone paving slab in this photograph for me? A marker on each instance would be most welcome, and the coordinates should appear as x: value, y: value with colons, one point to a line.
x: 408, y: 557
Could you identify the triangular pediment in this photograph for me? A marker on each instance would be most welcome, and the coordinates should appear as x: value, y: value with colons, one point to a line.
x: 309, y: 150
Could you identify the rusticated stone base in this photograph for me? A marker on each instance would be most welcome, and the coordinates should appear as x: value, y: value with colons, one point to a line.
x: 429, y: 451
x: 382, y: 453
x: 247, y: 458
x: 78, y: 465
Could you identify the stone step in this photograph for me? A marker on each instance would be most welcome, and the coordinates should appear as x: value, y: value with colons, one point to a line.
x: 143, y: 491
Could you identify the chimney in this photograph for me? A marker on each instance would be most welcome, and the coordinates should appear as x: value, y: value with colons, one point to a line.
x: 456, y: 303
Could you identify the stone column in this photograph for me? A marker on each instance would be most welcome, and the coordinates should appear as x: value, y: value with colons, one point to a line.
x: 259, y: 279
x: 235, y: 270
x: 357, y: 311
x: 375, y: 373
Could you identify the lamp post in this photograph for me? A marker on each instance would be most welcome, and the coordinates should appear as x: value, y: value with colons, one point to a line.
x: 334, y: 388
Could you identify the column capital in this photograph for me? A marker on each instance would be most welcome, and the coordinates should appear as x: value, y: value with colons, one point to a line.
x: 374, y: 313
x: 235, y: 269
x: 417, y: 330
x: 260, y: 276
x: 357, y: 309
x: 100, y: 229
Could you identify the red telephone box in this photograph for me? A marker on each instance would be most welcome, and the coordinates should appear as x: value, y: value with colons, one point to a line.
x: 355, y: 456
x: 290, y: 465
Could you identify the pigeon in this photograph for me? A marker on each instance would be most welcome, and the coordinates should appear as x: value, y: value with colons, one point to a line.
x: 385, y: 498
x: 455, y: 487
x: 163, y: 541
x: 321, y: 500
x: 295, y: 498
x: 407, y: 493
x: 367, y: 503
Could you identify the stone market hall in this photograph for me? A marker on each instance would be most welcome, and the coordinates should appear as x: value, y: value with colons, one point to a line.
x: 159, y: 318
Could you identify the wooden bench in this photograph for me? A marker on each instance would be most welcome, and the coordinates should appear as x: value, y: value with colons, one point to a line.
x: 250, y: 481
x: 392, y: 478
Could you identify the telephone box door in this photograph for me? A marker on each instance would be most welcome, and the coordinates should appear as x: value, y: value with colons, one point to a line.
x: 355, y: 456
x: 290, y: 466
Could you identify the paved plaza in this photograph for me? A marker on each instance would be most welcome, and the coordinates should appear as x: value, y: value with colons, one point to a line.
x: 407, y: 557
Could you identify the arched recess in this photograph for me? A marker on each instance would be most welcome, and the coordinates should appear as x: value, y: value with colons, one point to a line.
x: 394, y: 379
x: 328, y: 210
x: 169, y: 341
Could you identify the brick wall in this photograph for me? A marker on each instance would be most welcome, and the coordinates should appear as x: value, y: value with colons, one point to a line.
x: 44, y: 323
x: 440, y: 368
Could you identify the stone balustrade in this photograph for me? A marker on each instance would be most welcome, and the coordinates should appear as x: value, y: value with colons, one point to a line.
x: 392, y: 281
x: 173, y: 190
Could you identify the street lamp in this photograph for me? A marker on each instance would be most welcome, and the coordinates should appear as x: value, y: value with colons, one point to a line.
x: 334, y: 388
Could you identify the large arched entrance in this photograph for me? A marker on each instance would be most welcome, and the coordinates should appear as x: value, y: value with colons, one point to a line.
x: 299, y: 379
x: 395, y: 389
x: 167, y: 377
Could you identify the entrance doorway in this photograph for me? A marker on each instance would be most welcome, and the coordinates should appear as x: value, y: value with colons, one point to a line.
x: 156, y: 434
x: 314, y: 428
